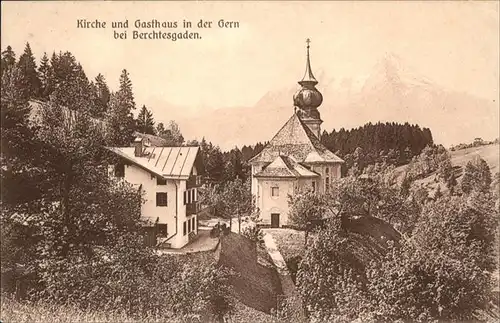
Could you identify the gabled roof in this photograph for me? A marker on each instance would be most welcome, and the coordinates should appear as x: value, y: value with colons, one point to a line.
x: 167, y: 162
x: 286, y: 167
x: 296, y: 140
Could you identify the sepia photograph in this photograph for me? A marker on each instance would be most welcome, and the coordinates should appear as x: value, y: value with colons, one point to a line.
x: 250, y: 161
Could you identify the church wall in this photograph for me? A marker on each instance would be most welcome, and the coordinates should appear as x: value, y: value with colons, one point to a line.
x: 269, y: 204
x: 330, y: 170
x: 256, y: 167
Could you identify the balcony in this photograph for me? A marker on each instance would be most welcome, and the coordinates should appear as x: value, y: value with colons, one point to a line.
x: 193, y: 181
x: 193, y: 208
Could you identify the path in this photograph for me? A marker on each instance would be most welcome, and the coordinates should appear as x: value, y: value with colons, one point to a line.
x: 275, y: 254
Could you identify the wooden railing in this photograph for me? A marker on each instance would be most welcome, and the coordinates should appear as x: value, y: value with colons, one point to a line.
x: 194, y: 181
x: 193, y: 208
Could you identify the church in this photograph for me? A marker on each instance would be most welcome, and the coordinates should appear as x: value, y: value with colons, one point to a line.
x: 294, y: 160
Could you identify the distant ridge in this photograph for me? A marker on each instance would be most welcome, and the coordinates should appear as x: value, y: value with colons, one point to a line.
x: 391, y: 93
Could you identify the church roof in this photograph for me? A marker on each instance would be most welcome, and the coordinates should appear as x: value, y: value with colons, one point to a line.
x: 296, y: 140
x: 285, y: 167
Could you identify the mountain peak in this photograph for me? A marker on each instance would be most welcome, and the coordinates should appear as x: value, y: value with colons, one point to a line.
x: 392, y: 71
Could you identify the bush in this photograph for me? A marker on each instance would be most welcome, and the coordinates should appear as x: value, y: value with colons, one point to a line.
x: 255, y: 234
x: 421, y: 285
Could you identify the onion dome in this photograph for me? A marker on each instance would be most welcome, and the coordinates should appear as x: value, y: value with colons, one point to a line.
x: 308, y: 98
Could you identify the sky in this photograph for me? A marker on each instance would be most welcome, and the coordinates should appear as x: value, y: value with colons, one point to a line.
x: 455, y: 44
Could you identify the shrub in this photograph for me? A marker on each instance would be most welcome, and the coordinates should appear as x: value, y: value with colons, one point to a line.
x: 421, y: 285
x: 255, y: 234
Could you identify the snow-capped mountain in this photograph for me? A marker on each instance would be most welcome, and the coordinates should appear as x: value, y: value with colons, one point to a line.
x: 391, y: 92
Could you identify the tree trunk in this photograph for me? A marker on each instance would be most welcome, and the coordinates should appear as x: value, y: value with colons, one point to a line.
x: 239, y: 223
x: 305, y: 237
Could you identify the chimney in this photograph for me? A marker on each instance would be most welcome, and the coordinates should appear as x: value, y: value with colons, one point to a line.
x: 138, y: 146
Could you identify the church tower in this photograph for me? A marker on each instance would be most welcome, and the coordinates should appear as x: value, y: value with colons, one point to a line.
x: 308, y: 99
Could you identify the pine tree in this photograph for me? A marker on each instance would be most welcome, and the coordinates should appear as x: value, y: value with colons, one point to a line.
x: 8, y: 60
x: 46, y: 78
x: 145, y: 122
x: 125, y: 91
x: 29, y: 75
x: 103, y: 94
x: 119, y: 117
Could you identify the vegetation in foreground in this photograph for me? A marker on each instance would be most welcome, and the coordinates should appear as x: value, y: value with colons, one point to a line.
x: 71, y: 235
x: 441, y: 267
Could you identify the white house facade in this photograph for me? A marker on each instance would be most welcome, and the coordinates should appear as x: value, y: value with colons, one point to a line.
x: 169, y: 180
x: 295, y: 159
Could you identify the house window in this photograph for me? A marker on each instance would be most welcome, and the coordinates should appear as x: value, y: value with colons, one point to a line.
x: 162, y: 229
x: 161, y: 199
x: 327, y: 184
x: 327, y: 170
x: 194, y: 224
x: 275, y: 191
x: 313, y: 186
x: 189, y: 225
x: 184, y: 228
x: 120, y: 170
x: 161, y: 181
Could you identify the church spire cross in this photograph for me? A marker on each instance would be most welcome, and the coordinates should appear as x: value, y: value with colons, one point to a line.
x: 308, y: 76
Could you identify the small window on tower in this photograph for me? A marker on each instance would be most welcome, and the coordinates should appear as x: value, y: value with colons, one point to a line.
x: 275, y: 191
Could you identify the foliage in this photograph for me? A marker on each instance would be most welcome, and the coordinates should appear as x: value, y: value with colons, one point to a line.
x: 432, y: 158
x: 103, y: 96
x: 119, y: 118
x: 441, y: 271
x: 477, y: 176
x: 145, y: 122
x: 374, y: 196
x: 8, y: 60
x: 74, y: 232
x: 231, y: 199
x: 45, y: 72
x: 198, y: 291
x: 331, y: 278
x: 423, y: 285
x: 30, y: 82
x: 307, y: 209
x: 392, y: 143
x: 213, y: 160
x: 255, y: 234
x: 462, y: 227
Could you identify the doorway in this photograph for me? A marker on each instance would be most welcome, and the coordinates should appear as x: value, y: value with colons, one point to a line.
x: 275, y: 220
